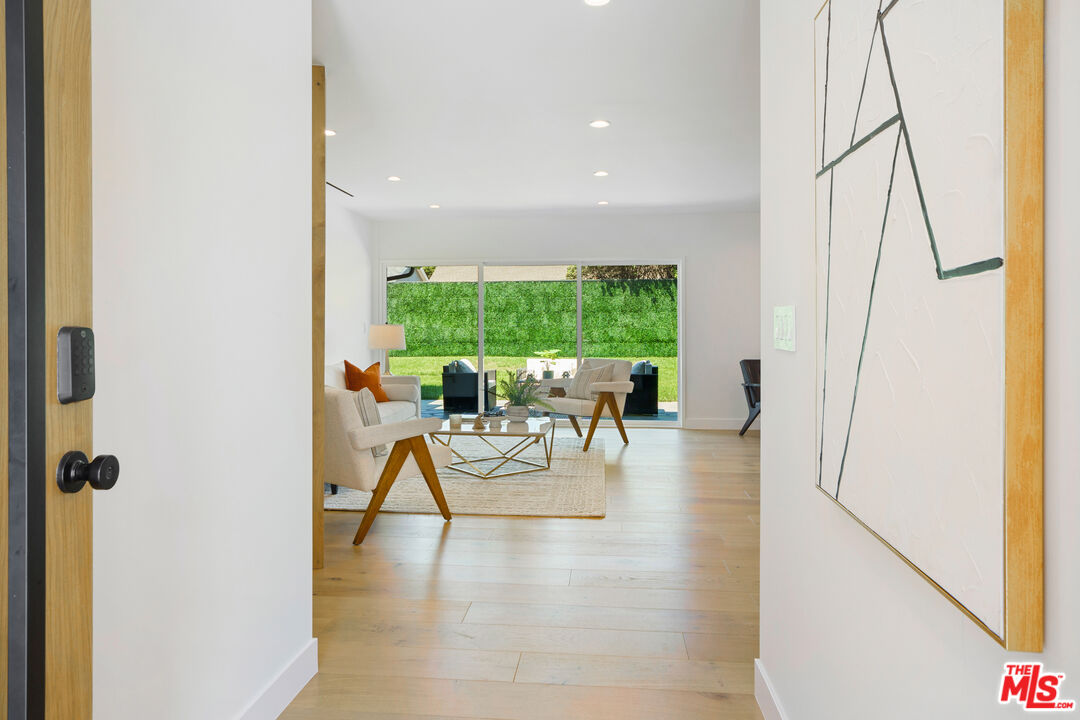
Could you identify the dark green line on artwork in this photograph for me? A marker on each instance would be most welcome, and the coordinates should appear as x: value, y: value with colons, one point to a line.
x: 883, y: 13
x: 869, y: 307
x: 825, y: 102
x: 973, y: 268
x: 865, y: 139
x: 866, y: 73
x: 825, y: 358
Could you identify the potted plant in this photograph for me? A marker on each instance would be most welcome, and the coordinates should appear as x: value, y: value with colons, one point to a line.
x: 548, y: 356
x: 519, y: 395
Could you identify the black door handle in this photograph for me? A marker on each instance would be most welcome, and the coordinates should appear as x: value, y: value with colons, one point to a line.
x: 75, y: 470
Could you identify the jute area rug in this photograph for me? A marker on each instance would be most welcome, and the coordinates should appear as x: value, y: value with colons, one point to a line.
x: 573, y: 487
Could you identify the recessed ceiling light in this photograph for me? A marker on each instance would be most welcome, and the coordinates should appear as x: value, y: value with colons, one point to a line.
x: 600, y: 173
x: 599, y: 124
x: 394, y: 178
x: 434, y: 207
x: 597, y: 3
x: 602, y: 202
x: 329, y: 132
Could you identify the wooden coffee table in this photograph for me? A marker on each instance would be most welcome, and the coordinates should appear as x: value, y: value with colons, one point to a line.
x: 522, y: 436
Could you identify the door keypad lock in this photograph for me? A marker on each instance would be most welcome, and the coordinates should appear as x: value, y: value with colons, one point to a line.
x: 75, y: 470
x: 74, y: 364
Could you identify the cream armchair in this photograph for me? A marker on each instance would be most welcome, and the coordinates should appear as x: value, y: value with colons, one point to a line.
x: 350, y: 461
x: 607, y: 398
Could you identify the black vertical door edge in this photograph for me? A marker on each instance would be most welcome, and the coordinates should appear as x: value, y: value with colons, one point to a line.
x: 27, y: 474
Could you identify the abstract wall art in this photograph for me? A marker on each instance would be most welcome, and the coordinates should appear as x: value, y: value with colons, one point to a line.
x: 928, y: 242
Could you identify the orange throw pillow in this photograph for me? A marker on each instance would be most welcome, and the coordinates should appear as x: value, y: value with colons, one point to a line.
x: 357, y: 379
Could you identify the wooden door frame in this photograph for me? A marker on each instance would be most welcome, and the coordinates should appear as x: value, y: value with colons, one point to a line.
x: 49, y: 624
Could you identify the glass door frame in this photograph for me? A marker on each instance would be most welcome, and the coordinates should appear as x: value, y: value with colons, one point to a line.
x: 385, y: 263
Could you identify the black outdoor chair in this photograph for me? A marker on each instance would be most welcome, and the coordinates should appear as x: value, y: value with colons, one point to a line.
x: 751, y: 373
x: 459, y: 391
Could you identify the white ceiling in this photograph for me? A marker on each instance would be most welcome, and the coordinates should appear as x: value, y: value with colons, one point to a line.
x: 484, y: 105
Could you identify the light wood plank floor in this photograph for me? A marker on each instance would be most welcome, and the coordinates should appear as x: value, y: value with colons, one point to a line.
x: 651, y: 612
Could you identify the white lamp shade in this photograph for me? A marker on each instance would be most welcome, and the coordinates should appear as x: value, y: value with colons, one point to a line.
x: 386, y: 337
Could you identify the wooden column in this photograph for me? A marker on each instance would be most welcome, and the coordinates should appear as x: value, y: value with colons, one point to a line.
x: 318, y: 303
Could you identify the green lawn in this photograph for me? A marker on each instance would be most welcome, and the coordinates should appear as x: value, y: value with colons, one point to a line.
x: 429, y: 368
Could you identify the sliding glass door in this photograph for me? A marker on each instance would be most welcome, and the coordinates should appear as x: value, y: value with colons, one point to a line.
x: 631, y: 312
x: 530, y: 319
x: 467, y: 324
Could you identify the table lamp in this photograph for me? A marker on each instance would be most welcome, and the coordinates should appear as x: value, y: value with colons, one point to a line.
x: 386, y: 338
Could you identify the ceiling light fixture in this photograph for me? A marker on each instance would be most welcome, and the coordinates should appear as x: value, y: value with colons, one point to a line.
x: 434, y: 207
x: 600, y: 173
x: 329, y: 133
x: 602, y: 202
x: 599, y: 124
x: 596, y: 3
x: 394, y: 178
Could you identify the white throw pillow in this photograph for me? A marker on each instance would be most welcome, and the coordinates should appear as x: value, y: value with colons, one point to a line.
x: 369, y: 415
x: 583, y: 380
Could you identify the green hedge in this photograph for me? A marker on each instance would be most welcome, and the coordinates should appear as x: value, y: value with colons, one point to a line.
x: 439, y: 318
x: 629, y: 318
x: 622, y: 318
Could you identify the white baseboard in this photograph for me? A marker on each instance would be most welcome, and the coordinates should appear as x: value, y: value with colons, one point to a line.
x: 700, y: 423
x: 766, y: 697
x: 280, y: 691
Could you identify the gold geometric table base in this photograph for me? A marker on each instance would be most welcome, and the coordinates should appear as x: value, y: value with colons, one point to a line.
x: 468, y: 466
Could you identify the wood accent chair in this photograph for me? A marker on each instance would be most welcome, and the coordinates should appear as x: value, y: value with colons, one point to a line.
x: 609, y: 397
x: 350, y: 461
x: 751, y: 373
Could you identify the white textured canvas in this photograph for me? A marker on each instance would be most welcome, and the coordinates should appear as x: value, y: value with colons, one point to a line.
x: 910, y: 332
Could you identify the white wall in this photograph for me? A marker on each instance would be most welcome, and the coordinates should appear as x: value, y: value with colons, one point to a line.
x: 202, y: 302
x: 351, y: 269
x: 847, y: 630
x: 719, y: 252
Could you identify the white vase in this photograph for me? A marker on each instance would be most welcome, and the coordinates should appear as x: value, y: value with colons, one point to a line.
x: 517, y: 413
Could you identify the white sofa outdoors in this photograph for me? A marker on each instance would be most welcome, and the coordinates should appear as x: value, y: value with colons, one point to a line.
x: 403, y: 391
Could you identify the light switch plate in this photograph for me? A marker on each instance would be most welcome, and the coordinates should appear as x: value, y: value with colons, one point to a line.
x: 784, y: 327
